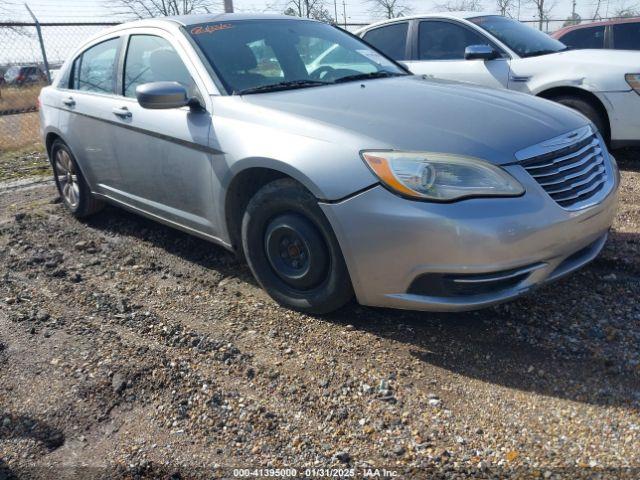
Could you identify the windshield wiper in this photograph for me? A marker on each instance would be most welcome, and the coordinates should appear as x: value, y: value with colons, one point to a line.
x: 274, y: 87
x: 366, y: 76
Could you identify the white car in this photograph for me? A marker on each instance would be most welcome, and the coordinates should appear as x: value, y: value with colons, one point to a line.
x: 500, y: 52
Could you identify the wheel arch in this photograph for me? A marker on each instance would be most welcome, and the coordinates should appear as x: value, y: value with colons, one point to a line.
x: 53, y: 135
x: 243, y: 186
x: 49, y: 138
x: 554, y: 92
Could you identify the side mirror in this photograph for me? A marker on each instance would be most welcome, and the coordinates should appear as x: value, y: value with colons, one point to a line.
x: 161, y: 95
x: 479, y: 52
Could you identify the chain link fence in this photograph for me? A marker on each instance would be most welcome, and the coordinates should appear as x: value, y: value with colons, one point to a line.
x: 24, y: 58
x: 25, y: 55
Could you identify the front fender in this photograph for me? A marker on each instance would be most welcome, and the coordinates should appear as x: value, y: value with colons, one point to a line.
x: 573, y: 78
x: 283, y: 167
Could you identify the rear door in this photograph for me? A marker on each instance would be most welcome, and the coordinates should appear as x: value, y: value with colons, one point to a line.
x: 438, y: 52
x: 84, y: 99
x: 165, y: 156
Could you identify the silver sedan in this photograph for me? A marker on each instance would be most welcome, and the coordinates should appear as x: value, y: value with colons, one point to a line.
x: 329, y: 167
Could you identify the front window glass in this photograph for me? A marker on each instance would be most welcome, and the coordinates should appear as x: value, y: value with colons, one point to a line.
x: 592, y: 37
x: 526, y: 41
x: 153, y: 59
x: 257, y: 56
x: 94, y: 70
x: 445, y: 40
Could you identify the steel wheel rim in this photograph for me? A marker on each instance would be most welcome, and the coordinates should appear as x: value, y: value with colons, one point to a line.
x: 67, y: 178
x: 296, y: 251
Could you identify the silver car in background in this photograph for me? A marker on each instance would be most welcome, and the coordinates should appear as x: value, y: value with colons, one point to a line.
x: 329, y: 178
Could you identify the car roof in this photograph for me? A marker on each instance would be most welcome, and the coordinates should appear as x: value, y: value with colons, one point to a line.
x: 188, y: 20
x: 195, y: 19
x: 614, y: 21
x: 452, y: 15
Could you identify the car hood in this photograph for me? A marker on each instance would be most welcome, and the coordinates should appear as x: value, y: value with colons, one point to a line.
x: 595, y: 58
x: 412, y: 113
x: 593, y: 70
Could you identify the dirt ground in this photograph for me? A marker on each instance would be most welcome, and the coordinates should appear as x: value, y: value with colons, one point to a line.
x: 131, y: 350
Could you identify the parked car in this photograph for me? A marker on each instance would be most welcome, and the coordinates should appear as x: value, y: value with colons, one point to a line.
x: 24, y: 75
x: 412, y: 193
x: 619, y: 34
x: 499, y: 52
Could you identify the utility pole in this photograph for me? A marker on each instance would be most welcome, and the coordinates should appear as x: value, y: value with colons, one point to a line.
x: 518, y: 10
x: 44, y: 53
x: 228, y: 6
x: 573, y: 10
x: 335, y: 10
x: 344, y: 13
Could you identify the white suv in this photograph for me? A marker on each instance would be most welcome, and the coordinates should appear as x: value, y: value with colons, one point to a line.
x: 500, y: 52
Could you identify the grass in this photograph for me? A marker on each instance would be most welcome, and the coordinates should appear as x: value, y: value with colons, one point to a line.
x: 19, y: 131
x: 19, y: 98
x: 24, y: 162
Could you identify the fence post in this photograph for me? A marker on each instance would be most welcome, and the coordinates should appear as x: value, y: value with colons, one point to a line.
x: 44, y: 53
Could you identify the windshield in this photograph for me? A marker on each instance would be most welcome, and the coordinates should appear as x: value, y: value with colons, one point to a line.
x: 12, y: 73
x: 526, y: 41
x: 253, y: 56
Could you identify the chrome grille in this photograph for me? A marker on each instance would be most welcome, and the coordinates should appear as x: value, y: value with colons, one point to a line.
x: 573, y: 172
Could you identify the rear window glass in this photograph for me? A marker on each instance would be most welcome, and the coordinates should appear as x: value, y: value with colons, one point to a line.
x: 626, y: 36
x: 94, y: 70
x: 390, y: 40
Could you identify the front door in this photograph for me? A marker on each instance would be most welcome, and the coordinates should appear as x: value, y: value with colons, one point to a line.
x: 439, y: 48
x: 166, y: 154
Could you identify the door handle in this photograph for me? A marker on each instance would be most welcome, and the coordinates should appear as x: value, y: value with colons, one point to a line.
x: 69, y: 102
x: 122, y: 112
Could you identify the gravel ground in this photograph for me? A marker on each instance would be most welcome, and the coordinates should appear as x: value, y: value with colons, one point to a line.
x: 131, y: 350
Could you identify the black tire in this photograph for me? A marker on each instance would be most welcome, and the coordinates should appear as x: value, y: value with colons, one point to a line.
x: 588, y: 110
x: 292, y: 250
x: 63, y: 171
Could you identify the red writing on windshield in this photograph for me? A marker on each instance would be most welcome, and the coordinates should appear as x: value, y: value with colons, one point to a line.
x: 200, y: 29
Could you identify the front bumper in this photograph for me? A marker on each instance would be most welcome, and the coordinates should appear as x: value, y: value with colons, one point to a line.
x: 623, y: 109
x: 390, y: 243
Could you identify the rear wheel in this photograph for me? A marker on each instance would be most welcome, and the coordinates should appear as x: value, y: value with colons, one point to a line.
x: 292, y: 250
x: 588, y: 110
x: 73, y: 188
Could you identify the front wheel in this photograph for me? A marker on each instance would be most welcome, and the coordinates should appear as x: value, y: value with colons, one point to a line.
x: 588, y: 110
x: 292, y: 250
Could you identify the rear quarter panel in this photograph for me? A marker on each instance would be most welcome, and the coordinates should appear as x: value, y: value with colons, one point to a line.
x: 49, y: 115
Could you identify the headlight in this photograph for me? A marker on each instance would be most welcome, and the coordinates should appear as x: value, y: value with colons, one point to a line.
x: 440, y: 176
x: 633, y: 79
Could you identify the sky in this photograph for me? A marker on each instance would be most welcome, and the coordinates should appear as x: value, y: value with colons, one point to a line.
x: 22, y: 47
x: 358, y: 11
